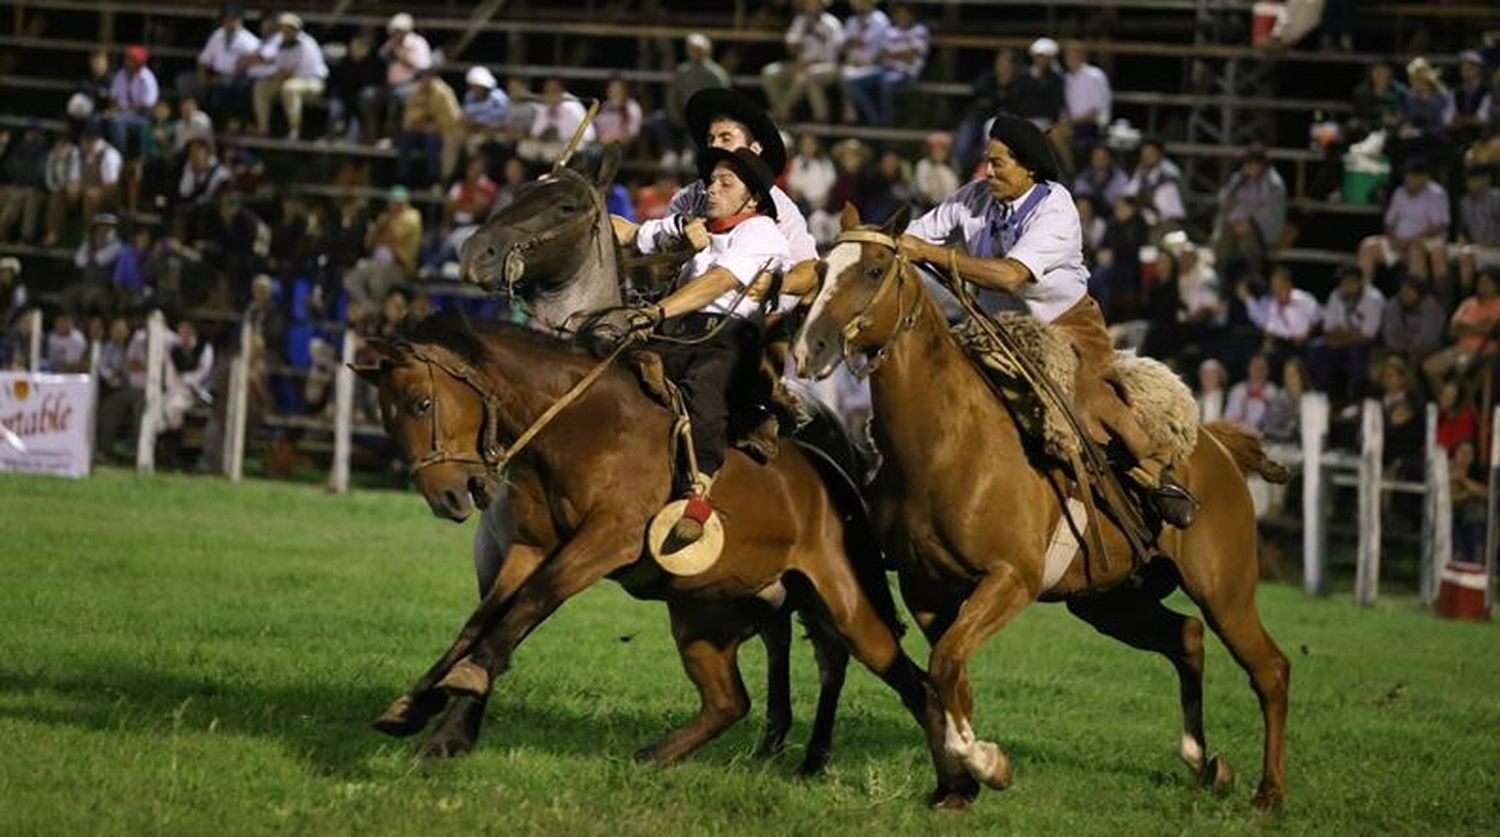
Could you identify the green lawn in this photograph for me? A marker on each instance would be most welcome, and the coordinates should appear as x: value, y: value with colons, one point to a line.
x: 179, y: 655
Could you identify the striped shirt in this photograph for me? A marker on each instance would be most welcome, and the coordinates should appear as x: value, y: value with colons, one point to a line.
x: 869, y: 30
x: 1480, y: 216
x: 898, y: 40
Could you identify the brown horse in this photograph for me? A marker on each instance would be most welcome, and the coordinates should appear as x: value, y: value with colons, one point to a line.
x: 969, y: 533
x: 584, y: 491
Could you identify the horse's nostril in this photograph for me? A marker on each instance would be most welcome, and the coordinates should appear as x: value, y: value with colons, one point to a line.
x: 489, y: 253
x: 452, y: 498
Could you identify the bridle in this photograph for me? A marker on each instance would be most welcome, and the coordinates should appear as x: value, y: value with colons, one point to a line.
x: 513, y: 267
x: 863, y: 320
x: 492, y: 455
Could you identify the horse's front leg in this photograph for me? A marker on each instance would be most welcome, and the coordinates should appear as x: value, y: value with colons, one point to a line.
x: 600, y: 547
x: 409, y: 713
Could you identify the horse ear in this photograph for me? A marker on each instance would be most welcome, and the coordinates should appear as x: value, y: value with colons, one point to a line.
x: 609, y: 166
x: 896, y: 224
x: 385, y: 347
x: 849, y: 218
x: 370, y: 372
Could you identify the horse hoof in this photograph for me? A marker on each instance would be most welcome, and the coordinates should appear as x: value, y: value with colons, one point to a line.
x: 405, y: 716
x: 1217, y: 775
x: 951, y: 801
x: 813, y: 766
x: 770, y: 746
x: 1267, y: 800
x: 445, y: 748
x: 988, y: 765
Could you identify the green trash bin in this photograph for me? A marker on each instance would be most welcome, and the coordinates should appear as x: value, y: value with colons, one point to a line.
x: 1363, y: 178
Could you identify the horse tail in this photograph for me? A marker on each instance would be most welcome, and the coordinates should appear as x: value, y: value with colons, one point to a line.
x: 1247, y: 451
x: 860, y: 544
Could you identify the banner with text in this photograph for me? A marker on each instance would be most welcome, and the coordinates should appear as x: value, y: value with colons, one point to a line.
x: 45, y: 423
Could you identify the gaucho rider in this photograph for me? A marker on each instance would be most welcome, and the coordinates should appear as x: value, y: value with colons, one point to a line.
x: 1021, y: 234
x: 712, y: 312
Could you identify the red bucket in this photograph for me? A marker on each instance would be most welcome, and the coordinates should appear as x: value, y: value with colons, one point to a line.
x: 1263, y: 19
x: 1461, y: 592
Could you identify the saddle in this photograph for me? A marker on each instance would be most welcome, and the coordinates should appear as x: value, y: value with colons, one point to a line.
x: 1166, y: 405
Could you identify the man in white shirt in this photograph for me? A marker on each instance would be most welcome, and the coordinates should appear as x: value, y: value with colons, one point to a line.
x: 1287, y: 315
x: 713, y: 304
x: 300, y: 73
x: 721, y: 118
x: 406, y: 54
x: 1340, y: 359
x: 1020, y: 234
x: 220, y: 78
x: 553, y: 125
x: 813, y: 40
x: 864, y: 32
x: 132, y: 95
x: 1156, y: 185
x: 66, y: 349
x: 1416, y: 229
x: 1088, y: 94
x: 899, y: 60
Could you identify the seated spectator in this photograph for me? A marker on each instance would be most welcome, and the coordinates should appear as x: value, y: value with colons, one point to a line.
x: 191, y: 124
x: 341, y: 246
x: 1156, y: 185
x: 813, y: 42
x: 1416, y: 229
x: 1401, y: 406
x: 1471, y: 501
x: 1351, y: 327
x: 300, y: 74
x: 520, y: 113
x: 134, y: 272
x: 557, y: 120
x: 993, y: 92
x: 1249, y: 398
x: 23, y: 171
x: 864, y: 34
x: 1093, y: 228
x: 1212, y: 380
x: 1475, y: 328
x: 1041, y: 93
x: 1424, y: 129
x: 810, y: 175
x: 902, y: 54
x: 65, y: 349
x: 429, y: 132
x: 484, y: 112
x: 231, y: 238
x: 64, y: 181
x: 406, y: 54
x: 513, y: 175
x: 394, y: 308
x: 97, y: 182
x: 1087, y: 101
x: 1252, y: 215
x: 354, y: 93
x: 469, y: 203
x: 619, y: 119
x: 850, y: 157
x: 652, y: 201
x: 1458, y: 421
x: 1412, y: 325
x: 886, y: 189
x: 119, y: 403
x: 668, y: 129
x: 1287, y: 315
x: 935, y: 178
x: 1478, y: 226
x: 1469, y: 105
x: 1282, y: 419
x: 392, y: 244
x: 293, y: 237
x: 96, y: 258
x: 220, y: 79
x: 15, y: 342
x: 1380, y: 99
x: 1101, y: 181
x: 1116, y: 278
x: 12, y: 291
x: 204, y: 180
x: 132, y: 94
x: 189, y: 372
x: 260, y: 65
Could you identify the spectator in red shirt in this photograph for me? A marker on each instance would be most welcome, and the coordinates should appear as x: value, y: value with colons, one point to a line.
x: 1458, y: 421
x: 468, y: 205
x: 1476, y: 328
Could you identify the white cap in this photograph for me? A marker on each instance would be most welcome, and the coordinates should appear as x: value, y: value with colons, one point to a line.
x: 480, y: 76
x: 1175, y: 242
x: 400, y: 22
x: 10, y: 263
x: 700, y: 40
x: 1044, y: 46
x: 289, y: 19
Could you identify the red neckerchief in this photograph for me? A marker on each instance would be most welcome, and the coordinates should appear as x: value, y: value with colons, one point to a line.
x: 719, y: 226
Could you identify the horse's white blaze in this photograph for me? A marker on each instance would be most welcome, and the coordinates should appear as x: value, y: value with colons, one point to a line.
x: 838, y: 262
x: 1191, y: 752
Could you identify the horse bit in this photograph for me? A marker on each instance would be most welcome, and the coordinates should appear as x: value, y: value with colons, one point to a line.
x: 904, y: 319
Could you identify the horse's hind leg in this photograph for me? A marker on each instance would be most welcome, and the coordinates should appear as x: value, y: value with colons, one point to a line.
x: 1140, y: 620
x: 707, y: 639
x: 776, y: 633
x: 833, y: 664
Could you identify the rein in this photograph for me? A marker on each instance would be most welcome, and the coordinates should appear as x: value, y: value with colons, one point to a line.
x: 492, y: 455
x: 904, y: 319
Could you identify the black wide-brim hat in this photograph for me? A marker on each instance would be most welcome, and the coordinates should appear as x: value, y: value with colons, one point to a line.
x: 1028, y: 145
x: 703, y: 106
x: 751, y: 170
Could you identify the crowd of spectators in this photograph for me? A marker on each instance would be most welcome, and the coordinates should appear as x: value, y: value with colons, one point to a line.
x: 1413, y: 318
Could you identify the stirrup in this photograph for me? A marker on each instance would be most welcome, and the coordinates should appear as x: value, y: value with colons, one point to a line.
x: 689, y: 528
x: 1173, y: 501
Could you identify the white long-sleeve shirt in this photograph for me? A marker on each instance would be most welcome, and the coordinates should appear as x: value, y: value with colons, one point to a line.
x: 1291, y: 320
x: 862, y: 37
x: 753, y: 245
x: 303, y: 60
x: 816, y: 40
x: 692, y: 201
x: 1364, y: 315
x: 223, y: 51
x: 1088, y: 91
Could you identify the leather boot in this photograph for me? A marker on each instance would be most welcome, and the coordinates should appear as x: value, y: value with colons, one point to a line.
x: 689, y: 528
x: 1173, y: 501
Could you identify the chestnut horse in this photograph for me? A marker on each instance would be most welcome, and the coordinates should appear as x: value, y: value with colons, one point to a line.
x: 969, y: 533
x: 583, y: 492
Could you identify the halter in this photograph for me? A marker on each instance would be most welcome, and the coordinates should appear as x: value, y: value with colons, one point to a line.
x: 491, y: 455
x: 904, y: 319
x: 514, y: 265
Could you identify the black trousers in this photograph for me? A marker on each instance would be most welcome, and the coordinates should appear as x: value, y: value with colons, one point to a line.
x: 704, y: 372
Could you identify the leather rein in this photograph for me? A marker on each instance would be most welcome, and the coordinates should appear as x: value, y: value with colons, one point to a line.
x: 863, y: 320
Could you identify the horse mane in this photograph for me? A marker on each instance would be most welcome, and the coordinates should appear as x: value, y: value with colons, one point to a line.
x: 450, y: 329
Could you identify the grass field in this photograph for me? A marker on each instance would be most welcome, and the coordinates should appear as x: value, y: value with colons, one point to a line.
x: 183, y: 656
